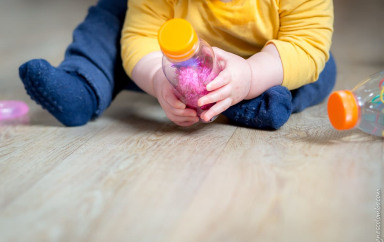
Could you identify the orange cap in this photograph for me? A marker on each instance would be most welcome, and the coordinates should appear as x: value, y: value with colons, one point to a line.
x: 177, y: 39
x: 343, y: 110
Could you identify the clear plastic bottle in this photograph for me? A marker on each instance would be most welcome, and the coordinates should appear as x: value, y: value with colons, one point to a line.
x: 362, y: 107
x: 189, y: 62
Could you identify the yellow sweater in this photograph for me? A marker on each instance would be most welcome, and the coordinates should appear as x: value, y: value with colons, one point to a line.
x: 300, y: 29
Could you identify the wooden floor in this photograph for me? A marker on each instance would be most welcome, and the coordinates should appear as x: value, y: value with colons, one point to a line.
x: 133, y: 176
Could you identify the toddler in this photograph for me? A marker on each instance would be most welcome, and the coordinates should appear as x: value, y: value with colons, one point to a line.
x: 275, y: 56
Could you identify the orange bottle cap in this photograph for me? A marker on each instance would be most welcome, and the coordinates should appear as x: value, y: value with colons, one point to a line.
x: 177, y: 39
x: 343, y: 110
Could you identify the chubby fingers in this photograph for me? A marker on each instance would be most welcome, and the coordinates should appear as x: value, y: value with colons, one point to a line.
x: 216, y: 109
x: 181, y: 117
x: 177, y: 110
x: 183, y: 112
x: 220, y: 81
x: 178, y: 113
x: 218, y: 88
x: 173, y: 101
x: 215, y: 96
x: 186, y: 123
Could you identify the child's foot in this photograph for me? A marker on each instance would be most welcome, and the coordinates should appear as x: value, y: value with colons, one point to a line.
x: 270, y: 110
x: 65, y: 95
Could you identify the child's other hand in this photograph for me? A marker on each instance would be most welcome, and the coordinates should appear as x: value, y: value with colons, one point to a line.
x: 175, y: 110
x: 231, y: 86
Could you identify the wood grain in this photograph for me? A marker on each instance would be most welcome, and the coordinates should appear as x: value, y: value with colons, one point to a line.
x: 131, y: 175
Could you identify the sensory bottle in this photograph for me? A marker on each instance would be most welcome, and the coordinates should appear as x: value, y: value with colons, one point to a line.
x: 362, y: 107
x: 189, y: 62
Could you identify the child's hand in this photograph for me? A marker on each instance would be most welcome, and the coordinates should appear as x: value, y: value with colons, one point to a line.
x: 231, y: 86
x: 175, y: 110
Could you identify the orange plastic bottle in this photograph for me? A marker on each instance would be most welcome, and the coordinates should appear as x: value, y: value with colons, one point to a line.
x: 362, y: 107
x: 189, y: 62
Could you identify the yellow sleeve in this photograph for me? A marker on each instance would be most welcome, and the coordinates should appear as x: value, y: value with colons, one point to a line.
x: 139, y: 33
x: 304, y: 39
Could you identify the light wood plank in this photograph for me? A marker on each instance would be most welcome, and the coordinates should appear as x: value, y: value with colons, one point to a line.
x: 131, y: 175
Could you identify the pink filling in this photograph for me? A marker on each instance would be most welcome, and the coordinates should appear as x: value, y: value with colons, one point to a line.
x: 192, y: 83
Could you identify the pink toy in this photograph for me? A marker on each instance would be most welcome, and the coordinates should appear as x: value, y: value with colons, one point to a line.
x: 11, y: 110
